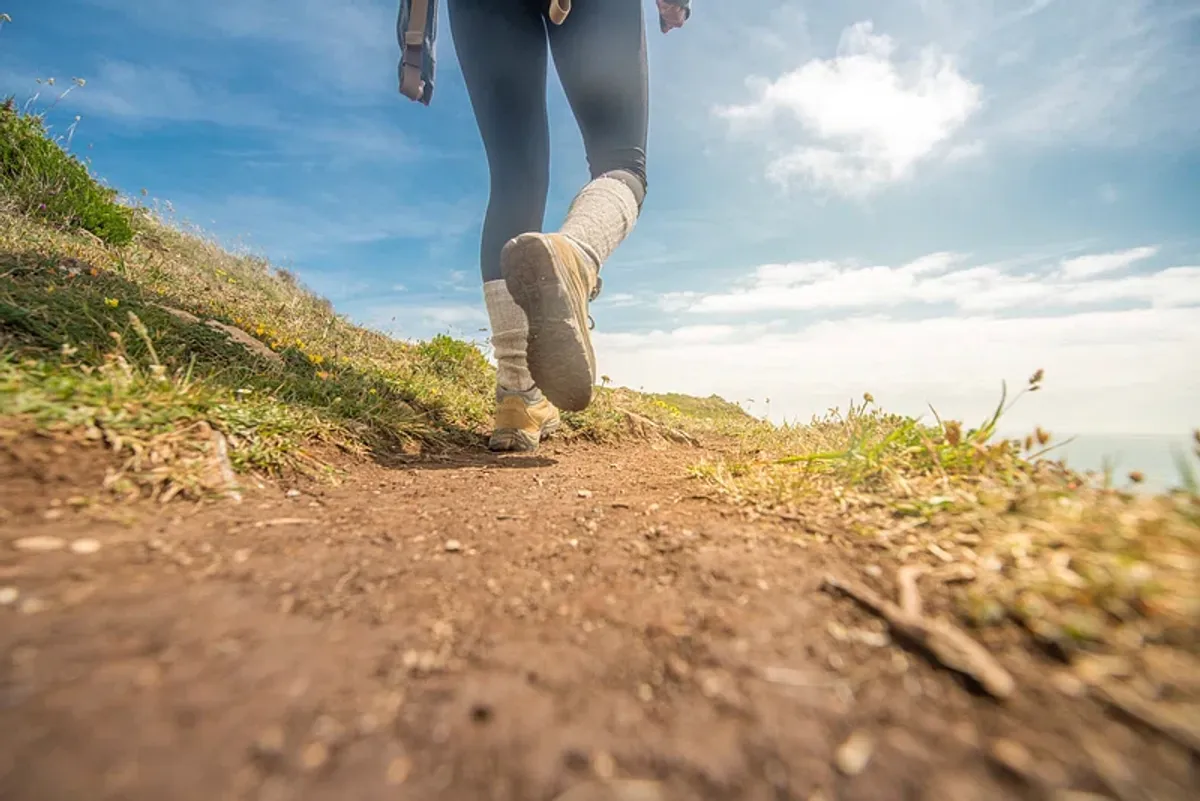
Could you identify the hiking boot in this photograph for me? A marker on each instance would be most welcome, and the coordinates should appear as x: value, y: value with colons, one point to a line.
x: 523, y: 420
x: 553, y: 281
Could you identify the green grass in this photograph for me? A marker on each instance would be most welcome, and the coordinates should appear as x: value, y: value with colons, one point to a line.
x: 42, y: 180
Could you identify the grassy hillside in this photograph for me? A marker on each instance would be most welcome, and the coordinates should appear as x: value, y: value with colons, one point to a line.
x: 126, y: 328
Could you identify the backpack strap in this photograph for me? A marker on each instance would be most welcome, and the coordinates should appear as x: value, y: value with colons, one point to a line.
x: 412, y: 60
x: 686, y: 5
x: 559, y: 9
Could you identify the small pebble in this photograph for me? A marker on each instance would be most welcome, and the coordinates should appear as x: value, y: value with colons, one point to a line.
x: 678, y: 667
x: 9, y: 596
x: 875, y: 639
x: 603, y: 765
x: 1012, y: 756
x: 1068, y: 684
x: 453, y: 546
x: 40, y: 544
x: 399, y: 770
x: 966, y: 734
x: 33, y: 606
x: 585, y: 493
x: 293, y: 493
x: 85, y: 546
x: 837, y: 631
x: 270, y: 742
x: 615, y: 790
x: 854, y: 754
x: 315, y: 755
x: 1096, y: 668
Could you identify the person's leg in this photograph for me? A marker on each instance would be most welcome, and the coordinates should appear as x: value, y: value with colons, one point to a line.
x: 600, y: 55
x: 501, y: 47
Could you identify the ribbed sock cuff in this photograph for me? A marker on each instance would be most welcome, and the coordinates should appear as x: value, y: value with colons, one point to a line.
x: 510, y: 337
x: 601, y: 216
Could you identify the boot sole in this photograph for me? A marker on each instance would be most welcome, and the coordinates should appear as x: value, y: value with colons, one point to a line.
x: 559, y: 352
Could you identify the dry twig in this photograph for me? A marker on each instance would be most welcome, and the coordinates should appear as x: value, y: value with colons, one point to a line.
x: 221, y: 454
x: 1130, y: 703
x: 946, y: 643
x: 910, y: 596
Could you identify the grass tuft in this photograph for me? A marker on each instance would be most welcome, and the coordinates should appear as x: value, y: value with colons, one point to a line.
x: 46, y: 182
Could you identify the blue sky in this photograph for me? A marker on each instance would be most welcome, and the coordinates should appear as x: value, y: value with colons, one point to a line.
x: 916, y: 198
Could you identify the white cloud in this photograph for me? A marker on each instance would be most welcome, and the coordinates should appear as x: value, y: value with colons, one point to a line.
x: 1103, y: 263
x: 967, y: 151
x: 1108, y: 372
x: 453, y: 315
x: 948, y: 279
x: 619, y: 300
x: 677, y: 301
x: 419, y: 320
x: 863, y: 119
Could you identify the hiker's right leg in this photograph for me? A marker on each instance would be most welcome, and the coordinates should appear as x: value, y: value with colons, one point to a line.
x: 600, y: 56
x: 502, y: 50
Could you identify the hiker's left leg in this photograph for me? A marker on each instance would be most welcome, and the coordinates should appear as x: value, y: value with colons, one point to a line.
x: 502, y: 50
x: 600, y: 55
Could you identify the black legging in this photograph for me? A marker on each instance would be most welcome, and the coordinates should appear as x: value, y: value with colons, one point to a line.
x: 600, y: 55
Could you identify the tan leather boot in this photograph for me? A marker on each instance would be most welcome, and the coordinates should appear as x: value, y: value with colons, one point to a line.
x: 553, y: 281
x: 523, y: 420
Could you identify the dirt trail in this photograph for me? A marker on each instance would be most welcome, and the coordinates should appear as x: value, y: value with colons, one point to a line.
x: 481, y: 628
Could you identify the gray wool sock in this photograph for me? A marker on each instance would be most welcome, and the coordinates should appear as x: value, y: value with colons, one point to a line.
x: 510, y: 336
x: 600, y: 217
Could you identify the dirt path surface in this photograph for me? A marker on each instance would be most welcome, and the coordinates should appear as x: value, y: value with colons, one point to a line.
x: 480, y: 628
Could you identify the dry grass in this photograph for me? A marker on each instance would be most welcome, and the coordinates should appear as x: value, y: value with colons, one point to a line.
x: 1088, y: 571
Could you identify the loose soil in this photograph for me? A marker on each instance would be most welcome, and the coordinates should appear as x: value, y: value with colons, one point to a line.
x: 519, y: 629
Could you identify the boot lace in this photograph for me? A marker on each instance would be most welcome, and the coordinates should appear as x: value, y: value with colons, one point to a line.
x: 592, y: 297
